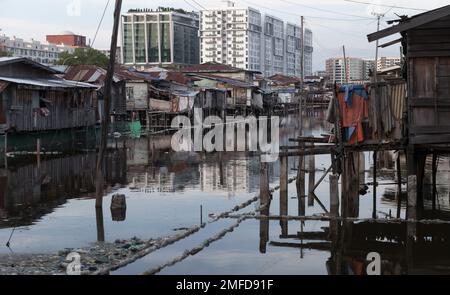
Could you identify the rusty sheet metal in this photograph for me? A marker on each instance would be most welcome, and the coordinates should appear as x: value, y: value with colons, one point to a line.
x: 397, y: 94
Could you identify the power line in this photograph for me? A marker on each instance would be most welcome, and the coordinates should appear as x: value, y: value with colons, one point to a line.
x: 196, y: 2
x: 324, y: 10
x: 188, y: 3
x: 100, y: 23
x: 298, y: 15
x: 385, y: 5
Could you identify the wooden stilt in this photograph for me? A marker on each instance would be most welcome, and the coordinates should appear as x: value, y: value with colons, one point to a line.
x: 284, y: 194
x: 434, y: 172
x: 374, y: 212
x: 312, y: 179
x: 399, y: 186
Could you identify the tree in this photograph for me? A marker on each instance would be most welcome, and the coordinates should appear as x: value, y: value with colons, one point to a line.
x: 4, y: 53
x: 84, y: 56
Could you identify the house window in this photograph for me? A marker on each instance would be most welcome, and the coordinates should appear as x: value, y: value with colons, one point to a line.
x: 130, y: 93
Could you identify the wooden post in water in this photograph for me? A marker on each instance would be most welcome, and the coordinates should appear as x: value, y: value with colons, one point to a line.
x: 264, y: 195
x: 264, y: 185
x: 374, y: 213
x: 399, y: 186
x: 301, y: 192
x: 312, y: 179
x: 284, y: 194
x: 334, y: 204
x: 38, y: 152
x: 100, y: 225
x: 434, y: 172
x: 6, y: 150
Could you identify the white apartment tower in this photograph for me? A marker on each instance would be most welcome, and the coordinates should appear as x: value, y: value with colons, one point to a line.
x: 244, y: 38
x: 231, y: 36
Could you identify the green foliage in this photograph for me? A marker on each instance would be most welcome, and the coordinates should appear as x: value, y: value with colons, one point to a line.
x: 4, y: 53
x: 84, y: 56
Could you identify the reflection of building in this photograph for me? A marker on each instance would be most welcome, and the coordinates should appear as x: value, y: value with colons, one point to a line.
x: 162, y: 37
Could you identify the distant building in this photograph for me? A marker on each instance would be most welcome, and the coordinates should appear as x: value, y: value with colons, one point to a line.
x: 163, y: 37
x: 336, y: 69
x: 67, y: 38
x: 47, y: 54
x: 309, y: 50
x: 387, y: 62
x: 244, y: 38
x: 118, y: 54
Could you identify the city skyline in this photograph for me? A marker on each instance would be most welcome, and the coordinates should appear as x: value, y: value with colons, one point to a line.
x: 331, y: 30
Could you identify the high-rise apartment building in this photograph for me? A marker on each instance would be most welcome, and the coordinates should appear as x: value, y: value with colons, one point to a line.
x: 231, y: 36
x: 356, y: 70
x: 387, y: 62
x: 244, y: 38
x: 162, y: 37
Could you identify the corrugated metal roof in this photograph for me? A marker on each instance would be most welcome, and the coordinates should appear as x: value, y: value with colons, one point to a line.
x: 233, y: 82
x: 12, y: 60
x: 54, y: 83
x: 214, y: 67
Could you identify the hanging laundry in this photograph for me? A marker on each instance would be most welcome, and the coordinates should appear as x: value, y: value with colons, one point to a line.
x: 354, y: 109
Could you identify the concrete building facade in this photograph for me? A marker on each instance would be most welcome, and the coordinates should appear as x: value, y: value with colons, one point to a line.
x: 47, y: 54
x: 244, y: 38
x: 164, y: 37
x: 67, y: 38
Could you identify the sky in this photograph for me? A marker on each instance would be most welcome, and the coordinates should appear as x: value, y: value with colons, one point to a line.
x: 334, y: 23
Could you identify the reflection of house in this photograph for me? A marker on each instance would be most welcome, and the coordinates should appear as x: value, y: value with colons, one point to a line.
x: 32, y: 98
x: 30, y: 193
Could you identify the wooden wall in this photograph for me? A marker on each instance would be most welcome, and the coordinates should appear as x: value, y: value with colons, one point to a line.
x: 68, y: 109
x: 429, y: 82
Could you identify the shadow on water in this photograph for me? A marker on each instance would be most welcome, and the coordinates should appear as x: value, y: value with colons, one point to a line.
x: 51, y: 207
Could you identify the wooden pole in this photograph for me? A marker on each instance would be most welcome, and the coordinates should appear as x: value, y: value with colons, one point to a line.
x: 399, y: 186
x: 374, y: 213
x: 311, y: 179
x: 284, y: 193
x: 434, y: 172
x: 6, y: 150
x: 107, y: 106
x: 38, y: 152
x: 345, y: 65
x: 264, y: 185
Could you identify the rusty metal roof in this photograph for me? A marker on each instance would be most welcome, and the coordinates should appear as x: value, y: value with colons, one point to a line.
x: 50, y: 83
x: 213, y: 67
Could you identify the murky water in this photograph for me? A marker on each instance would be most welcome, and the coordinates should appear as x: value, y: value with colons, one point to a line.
x: 50, y: 207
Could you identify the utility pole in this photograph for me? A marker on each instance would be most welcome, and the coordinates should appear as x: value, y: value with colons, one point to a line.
x: 345, y: 66
x: 302, y: 71
x: 107, y: 106
x: 375, y: 76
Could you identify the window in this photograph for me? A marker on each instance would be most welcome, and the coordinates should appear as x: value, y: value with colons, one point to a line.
x: 129, y: 93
